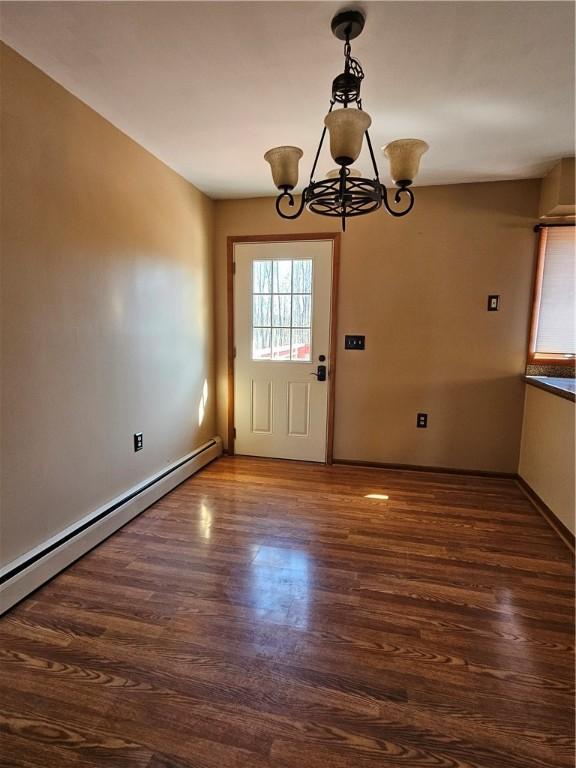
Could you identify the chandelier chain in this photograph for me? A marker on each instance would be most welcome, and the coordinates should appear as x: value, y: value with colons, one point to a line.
x: 351, y: 65
x: 347, y: 55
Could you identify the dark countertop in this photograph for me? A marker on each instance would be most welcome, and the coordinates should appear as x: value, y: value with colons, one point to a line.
x: 563, y: 387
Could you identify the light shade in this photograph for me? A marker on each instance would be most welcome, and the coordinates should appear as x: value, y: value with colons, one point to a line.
x: 404, y: 156
x: 353, y: 172
x: 284, y: 164
x: 347, y: 128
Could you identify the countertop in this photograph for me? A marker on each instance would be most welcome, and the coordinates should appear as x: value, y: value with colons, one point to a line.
x: 558, y: 386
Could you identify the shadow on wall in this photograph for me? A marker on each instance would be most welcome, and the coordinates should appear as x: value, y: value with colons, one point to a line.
x: 460, y: 428
x: 481, y: 199
x: 497, y: 401
x: 465, y: 424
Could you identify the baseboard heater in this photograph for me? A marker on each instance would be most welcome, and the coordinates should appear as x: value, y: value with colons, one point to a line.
x: 28, y: 572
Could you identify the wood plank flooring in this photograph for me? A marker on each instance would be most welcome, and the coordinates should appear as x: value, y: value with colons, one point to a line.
x: 267, y: 614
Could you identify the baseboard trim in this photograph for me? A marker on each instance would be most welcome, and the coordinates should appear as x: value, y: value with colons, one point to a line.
x: 557, y: 525
x: 33, y: 569
x: 421, y: 468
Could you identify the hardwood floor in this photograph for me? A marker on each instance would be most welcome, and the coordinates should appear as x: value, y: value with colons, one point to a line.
x: 267, y: 614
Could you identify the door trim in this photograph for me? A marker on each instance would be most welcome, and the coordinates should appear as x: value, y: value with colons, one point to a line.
x: 231, y: 241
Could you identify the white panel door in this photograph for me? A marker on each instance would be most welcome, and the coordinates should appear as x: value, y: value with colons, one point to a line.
x: 281, y: 331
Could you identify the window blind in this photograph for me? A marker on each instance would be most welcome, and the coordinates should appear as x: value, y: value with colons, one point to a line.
x: 556, y: 333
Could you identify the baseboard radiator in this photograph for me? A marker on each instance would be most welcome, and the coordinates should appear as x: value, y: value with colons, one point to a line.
x: 28, y: 572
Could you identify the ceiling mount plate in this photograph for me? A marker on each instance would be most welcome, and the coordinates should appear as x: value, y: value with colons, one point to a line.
x: 348, y: 24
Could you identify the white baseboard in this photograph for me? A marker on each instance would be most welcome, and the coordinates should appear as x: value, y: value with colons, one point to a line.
x: 28, y: 572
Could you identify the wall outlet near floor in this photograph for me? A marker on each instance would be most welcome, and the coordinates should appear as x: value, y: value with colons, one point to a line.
x: 138, y: 441
x: 422, y: 420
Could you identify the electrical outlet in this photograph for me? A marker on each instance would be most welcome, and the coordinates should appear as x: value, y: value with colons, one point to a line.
x: 422, y: 420
x: 138, y: 441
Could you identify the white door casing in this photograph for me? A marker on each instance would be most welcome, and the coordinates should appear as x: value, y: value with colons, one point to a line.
x: 282, y: 301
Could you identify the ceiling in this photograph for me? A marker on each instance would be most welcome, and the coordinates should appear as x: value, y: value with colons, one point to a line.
x: 208, y: 87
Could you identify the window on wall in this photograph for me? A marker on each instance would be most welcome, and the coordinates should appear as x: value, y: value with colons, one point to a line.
x: 282, y: 310
x: 553, y: 332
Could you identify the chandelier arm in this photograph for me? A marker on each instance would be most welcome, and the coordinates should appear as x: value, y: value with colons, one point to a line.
x: 368, y: 141
x: 290, y: 197
x: 397, y: 199
x: 320, y: 146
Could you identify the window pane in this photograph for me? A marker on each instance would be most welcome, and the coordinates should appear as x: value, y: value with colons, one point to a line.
x: 262, y: 277
x: 282, y: 277
x: 281, y: 311
x: 556, y: 328
x: 261, y: 310
x: 301, y: 311
x: 301, y: 344
x: 261, y: 344
x: 281, y: 343
x: 302, y: 277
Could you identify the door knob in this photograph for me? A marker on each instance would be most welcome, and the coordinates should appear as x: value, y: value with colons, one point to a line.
x: 320, y: 373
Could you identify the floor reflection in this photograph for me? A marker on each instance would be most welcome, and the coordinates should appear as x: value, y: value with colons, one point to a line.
x: 513, y: 625
x: 204, y: 521
x: 280, y: 584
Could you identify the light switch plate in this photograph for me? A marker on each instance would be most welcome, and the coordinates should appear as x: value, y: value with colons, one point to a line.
x: 354, y: 342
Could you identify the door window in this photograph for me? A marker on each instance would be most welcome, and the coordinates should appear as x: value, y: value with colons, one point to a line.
x: 282, y: 310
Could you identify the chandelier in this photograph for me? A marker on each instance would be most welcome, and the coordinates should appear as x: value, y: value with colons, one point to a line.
x: 344, y: 192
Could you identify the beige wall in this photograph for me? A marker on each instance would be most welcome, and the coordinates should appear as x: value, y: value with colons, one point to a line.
x: 547, y: 460
x: 107, y: 310
x: 557, y: 197
x: 417, y: 288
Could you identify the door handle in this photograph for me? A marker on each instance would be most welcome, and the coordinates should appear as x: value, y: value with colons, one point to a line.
x: 320, y: 373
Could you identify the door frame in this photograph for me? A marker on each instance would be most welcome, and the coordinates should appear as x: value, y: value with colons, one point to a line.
x: 231, y: 242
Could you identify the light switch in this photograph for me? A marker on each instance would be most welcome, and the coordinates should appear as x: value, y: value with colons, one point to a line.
x: 354, y: 342
x: 493, y: 303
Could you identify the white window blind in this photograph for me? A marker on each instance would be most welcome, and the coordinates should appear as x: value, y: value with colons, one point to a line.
x: 556, y: 317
